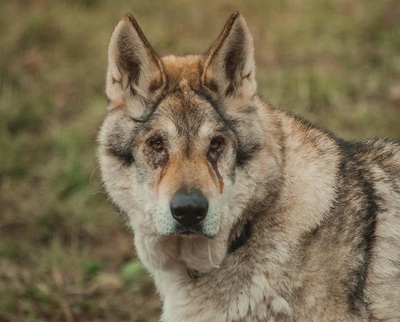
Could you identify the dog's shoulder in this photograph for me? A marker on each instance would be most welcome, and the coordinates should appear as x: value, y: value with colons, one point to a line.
x: 378, y: 160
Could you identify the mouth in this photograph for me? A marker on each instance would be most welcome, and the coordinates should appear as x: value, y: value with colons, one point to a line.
x: 190, y: 231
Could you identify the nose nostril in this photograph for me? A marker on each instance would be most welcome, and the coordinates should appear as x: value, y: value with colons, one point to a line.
x: 189, y: 208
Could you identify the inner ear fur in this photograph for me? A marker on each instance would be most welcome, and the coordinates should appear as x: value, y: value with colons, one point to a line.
x: 229, y: 66
x: 135, y: 73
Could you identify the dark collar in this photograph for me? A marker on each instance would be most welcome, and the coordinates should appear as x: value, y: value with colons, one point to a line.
x: 241, y: 239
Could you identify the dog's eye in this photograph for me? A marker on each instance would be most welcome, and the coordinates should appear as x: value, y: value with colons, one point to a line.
x: 215, y: 148
x: 216, y: 143
x: 157, y: 144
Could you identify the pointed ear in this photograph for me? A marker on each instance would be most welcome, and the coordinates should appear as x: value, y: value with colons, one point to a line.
x: 135, y: 73
x: 229, y: 67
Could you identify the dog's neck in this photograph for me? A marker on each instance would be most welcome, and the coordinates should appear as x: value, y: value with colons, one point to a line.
x: 241, y: 239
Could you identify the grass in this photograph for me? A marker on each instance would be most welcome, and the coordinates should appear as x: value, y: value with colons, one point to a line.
x: 64, y: 253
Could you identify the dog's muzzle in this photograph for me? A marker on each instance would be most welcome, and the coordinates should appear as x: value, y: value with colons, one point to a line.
x: 189, y: 208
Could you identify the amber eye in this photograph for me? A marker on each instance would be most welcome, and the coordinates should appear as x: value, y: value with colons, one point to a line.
x: 157, y: 144
x: 215, y: 148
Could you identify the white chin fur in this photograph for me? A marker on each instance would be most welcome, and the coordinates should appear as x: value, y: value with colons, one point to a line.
x: 202, y: 254
x: 176, y: 252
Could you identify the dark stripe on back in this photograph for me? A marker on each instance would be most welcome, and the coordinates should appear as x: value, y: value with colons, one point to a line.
x: 353, y: 169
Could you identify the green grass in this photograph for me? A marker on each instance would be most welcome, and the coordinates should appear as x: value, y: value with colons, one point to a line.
x: 64, y: 253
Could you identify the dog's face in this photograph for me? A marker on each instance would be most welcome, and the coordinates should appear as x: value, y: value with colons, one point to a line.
x: 178, y: 165
x: 180, y: 133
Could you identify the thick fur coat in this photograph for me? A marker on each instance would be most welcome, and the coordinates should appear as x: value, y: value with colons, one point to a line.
x: 294, y: 223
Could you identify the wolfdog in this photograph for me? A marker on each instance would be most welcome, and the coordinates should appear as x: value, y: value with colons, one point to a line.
x: 239, y: 210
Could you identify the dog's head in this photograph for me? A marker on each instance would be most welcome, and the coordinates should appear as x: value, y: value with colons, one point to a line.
x: 183, y: 138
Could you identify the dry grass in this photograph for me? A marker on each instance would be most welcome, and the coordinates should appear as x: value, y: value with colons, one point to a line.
x: 64, y: 253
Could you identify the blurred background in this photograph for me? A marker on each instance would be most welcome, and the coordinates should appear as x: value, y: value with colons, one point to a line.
x: 65, y: 254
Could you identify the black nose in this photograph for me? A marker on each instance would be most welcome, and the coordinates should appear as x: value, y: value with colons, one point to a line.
x: 189, y: 208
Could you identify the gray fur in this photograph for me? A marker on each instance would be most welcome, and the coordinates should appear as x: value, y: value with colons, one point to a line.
x: 322, y: 214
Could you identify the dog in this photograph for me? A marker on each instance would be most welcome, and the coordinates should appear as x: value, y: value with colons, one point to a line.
x: 242, y: 211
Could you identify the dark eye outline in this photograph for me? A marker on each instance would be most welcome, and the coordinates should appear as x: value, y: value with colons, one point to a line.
x: 156, y: 144
x: 215, y: 148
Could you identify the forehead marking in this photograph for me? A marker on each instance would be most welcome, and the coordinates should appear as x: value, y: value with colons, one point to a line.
x: 170, y: 128
x: 205, y: 130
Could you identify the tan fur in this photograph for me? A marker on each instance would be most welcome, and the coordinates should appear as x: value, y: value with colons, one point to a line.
x: 324, y: 214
